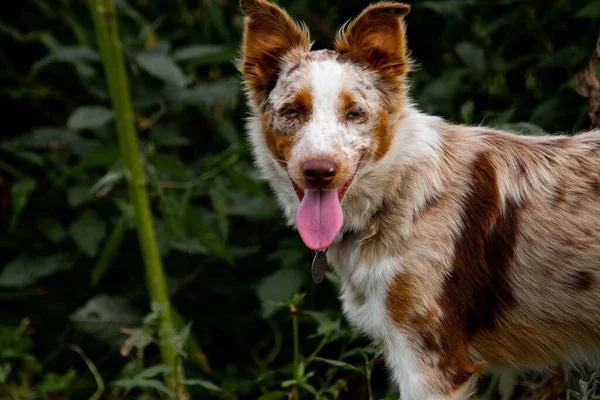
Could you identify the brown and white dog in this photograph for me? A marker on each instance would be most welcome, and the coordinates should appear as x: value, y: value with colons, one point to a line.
x: 455, y: 245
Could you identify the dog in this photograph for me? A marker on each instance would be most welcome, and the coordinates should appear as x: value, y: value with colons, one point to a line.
x: 457, y: 246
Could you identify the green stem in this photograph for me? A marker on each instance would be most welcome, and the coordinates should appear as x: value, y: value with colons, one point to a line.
x: 317, y: 350
x: 105, y: 23
x: 294, y: 311
x: 369, y: 386
x: 99, y: 382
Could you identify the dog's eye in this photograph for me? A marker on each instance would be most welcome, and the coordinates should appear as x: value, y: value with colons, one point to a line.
x: 291, y: 112
x: 353, y: 115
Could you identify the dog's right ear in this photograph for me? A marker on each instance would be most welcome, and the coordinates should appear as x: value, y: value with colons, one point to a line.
x: 269, y: 34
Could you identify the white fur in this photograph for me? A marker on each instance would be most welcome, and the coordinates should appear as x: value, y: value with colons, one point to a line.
x: 325, y: 134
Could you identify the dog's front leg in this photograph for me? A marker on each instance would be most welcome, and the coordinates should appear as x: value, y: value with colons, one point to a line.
x: 431, y: 368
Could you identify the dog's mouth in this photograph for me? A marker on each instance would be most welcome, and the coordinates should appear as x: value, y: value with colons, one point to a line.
x: 320, y: 218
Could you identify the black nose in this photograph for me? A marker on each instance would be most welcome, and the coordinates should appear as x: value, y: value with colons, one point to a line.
x: 319, y: 172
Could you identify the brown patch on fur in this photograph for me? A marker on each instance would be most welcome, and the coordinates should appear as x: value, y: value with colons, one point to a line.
x: 346, y: 101
x: 399, y: 300
x: 595, y: 186
x: 303, y: 99
x: 279, y: 145
x: 455, y: 363
x: 269, y: 34
x: 383, y: 136
x: 478, y: 290
x: 581, y: 280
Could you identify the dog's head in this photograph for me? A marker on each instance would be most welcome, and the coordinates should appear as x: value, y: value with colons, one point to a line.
x: 324, y: 115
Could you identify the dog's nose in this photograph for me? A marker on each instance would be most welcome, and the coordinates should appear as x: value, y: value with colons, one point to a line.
x: 319, y: 172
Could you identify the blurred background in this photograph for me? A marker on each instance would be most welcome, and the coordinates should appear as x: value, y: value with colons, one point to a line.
x: 75, y: 315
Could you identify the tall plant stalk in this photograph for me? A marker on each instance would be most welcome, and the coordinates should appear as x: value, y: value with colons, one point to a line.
x: 294, y: 312
x: 106, y: 26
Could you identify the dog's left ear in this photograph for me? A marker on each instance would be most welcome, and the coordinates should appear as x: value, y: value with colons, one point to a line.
x: 376, y: 39
x: 269, y: 35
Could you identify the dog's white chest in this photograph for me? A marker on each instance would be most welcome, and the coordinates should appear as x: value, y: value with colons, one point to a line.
x: 364, y: 292
x: 364, y: 298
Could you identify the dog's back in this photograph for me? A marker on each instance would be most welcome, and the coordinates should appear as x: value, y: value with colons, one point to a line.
x: 525, y: 276
x: 535, y: 205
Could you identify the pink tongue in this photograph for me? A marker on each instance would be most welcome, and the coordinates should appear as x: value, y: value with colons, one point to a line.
x: 319, y: 218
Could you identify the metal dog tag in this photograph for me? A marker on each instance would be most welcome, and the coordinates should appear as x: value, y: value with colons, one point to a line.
x: 319, y: 266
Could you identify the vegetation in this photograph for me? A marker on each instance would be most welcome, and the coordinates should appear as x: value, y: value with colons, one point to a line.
x: 79, y: 316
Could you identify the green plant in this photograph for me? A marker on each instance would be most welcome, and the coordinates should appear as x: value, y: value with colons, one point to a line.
x: 107, y: 32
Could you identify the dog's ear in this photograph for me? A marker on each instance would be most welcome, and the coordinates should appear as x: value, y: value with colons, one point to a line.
x: 269, y: 35
x: 376, y: 39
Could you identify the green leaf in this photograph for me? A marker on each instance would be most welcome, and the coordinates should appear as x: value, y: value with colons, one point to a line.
x: 204, y: 384
x: 26, y: 270
x: 109, y: 179
x: 218, y: 197
x: 188, y: 245
x: 277, y: 287
x: 205, y: 54
x: 254, y: 208
x: 310, y: 388
x: 182, y: 338
x: 507, y: 382
x: 153, y: 371
x: 447, y: 8
x: 325, y: 324
x: 273, y: 395
x: 101, y: 157
x: 78, y: 195
x: 20, y: 192
x: 169, y: 166
x: 466, y: 112
x: 87, y: 231
x: 472, y: 55
x: 51, y: 229
x: 53, y: 139
x: 103, y: 316
x: 201, y: 228
x: 68, y: 54
x: 89, y: 117
x: 169, y: 135
x: 340, y: 364
x: 162, y: 67
x: 591, y: 10
x: 223, y: 92
x: 108, y: 252
x: 288, y: 383
x: 4, y: 372
x: 53, y: 383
